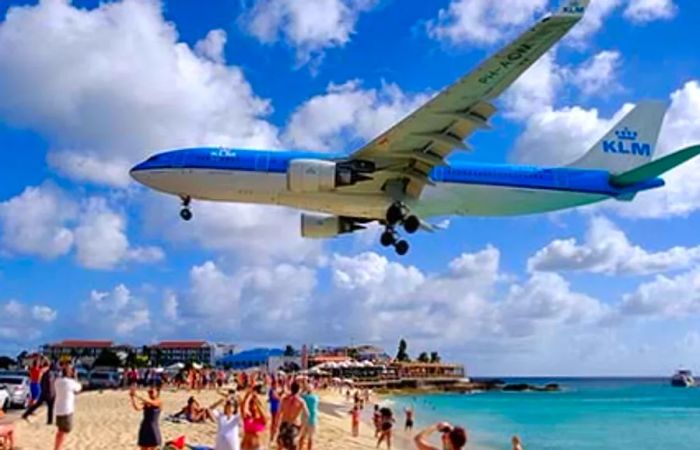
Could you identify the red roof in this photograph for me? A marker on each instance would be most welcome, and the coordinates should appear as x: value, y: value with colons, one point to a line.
x: 181, y: 344
x: 75, y: 343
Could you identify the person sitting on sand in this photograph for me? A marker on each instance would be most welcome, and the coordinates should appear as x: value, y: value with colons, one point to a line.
x: 293, y: 414
x: 387, y: 424
x: 452, y: 438
x: 517, y: 444
x: 254, y: 420
x: 149, y: 430
x: 355, y: 421
x: 194, y: 413
x: 228, y: 424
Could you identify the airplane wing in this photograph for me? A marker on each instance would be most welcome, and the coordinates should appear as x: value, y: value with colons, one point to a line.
x: 404, y: 155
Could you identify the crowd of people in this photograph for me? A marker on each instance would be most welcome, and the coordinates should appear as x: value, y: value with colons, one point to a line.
x: 249, y: 404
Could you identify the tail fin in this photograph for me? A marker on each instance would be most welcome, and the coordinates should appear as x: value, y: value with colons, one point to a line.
x: 631, y: 143
x: 574, y: 7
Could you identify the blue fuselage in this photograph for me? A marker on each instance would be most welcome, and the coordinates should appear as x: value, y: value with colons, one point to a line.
x: 257, y: 176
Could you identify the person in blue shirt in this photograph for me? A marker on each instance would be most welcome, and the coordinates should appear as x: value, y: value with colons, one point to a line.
x: 311, y: 400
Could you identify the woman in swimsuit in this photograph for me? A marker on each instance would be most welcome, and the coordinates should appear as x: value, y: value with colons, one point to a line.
x: 274, y: 399
x: 254, y: 420
x: 387, y: 425
x: 149, y: 431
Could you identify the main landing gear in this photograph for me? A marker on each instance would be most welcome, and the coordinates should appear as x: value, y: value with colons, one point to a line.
x: 185, y: 212
x: 398, y: 214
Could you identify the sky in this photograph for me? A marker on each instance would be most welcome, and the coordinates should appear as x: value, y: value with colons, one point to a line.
x: 88, y: 89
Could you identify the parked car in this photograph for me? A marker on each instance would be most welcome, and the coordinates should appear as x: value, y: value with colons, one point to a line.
x: 18, y: 387
x: 4, y: 398
x: 83, y: 377
x: 104, y: 380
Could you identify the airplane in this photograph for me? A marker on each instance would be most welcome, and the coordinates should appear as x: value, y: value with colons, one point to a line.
x: 401, y: 178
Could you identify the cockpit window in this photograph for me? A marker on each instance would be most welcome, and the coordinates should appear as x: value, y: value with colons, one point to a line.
x: 153, y: 158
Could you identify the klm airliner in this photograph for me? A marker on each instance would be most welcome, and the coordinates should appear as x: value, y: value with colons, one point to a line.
x: 401, y: 178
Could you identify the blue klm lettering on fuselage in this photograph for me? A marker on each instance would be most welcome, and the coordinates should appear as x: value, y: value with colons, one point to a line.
x: 574, y: 8
x: 626, y: 144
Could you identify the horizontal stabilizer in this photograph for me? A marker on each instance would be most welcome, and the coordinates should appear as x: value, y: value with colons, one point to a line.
x: 655, y: 168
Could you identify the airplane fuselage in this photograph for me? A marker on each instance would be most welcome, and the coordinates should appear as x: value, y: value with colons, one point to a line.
x: 255, y: 176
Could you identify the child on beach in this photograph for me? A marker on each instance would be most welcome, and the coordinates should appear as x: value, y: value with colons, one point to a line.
x: 355, y: 420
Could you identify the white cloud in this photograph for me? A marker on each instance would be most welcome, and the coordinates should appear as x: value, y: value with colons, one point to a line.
x: 101, y: 240
x: 482, y: 22
x: 21, y: 323
x: 535, y: 91
x: 675, y: 297
x: 212, y: 46
x: 121, y: 314
x: 346, y: 113
x: 110, y: 85
x: 310, y: 27
x: 255, y: 234
x: 642, y: 11
x: 48, y: 222
x: 557, y: 137
x: 36, y: 222
x: 607, y: 250
x: 599, y: 74
x: 597, y: 12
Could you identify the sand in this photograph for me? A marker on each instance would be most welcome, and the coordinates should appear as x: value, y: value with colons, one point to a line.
x: 106, y: 421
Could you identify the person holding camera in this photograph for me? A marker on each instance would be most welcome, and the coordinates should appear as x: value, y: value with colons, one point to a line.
x: 452, y: 438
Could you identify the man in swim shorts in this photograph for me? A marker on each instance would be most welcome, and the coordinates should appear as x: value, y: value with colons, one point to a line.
x: 293, y: 415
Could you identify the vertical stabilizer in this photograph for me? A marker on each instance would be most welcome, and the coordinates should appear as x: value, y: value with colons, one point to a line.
x: 631, y: 143
x: 574, y: 7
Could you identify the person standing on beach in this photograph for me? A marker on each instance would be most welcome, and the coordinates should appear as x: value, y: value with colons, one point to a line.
x: 37, y: 369
x: 409, y: 419
x: 149, y: 430
x: 293, y: 415
x: 253, y: 419
x: 66, y: 387
x: 47, y: 395
x: 387, y: 421
x: 228, y: 424
x: 311, y: 400
x: 452, y: 438
x: 355, y: 421
x: 273, y: 397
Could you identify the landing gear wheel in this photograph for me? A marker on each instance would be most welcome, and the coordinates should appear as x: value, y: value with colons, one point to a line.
x: 411, y: 224
x: 394, y: 214
x: 401, y: 248
x: 186, y: 214
x: 387, y: 239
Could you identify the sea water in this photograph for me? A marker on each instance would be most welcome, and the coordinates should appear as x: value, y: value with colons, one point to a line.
x: 588, y: 414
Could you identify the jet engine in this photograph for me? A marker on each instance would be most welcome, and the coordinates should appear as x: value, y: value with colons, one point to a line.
x: 319, y: 226
x: 315, y: 175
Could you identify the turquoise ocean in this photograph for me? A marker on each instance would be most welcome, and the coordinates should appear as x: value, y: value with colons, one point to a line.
x: 588, y: 414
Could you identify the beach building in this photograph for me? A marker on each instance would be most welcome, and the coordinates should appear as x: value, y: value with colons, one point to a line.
x: 249, y: 359
x: 75, y: 348
x: 172, y: 352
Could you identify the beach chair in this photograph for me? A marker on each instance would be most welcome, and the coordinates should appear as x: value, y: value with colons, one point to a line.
x: 7, y: 436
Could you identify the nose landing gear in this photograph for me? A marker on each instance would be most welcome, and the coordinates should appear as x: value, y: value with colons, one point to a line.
x: 395, y: 215
x: 185, y: 212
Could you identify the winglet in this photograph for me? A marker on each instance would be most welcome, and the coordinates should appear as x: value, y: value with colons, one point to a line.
x: 574, y: 8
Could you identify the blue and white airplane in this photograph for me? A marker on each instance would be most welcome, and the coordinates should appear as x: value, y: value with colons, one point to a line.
x: 401, y: 178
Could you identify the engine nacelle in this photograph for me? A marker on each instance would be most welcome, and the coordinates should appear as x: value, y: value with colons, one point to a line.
x: 317, y: 175
x: 319, y: 226
x: 311, y: 175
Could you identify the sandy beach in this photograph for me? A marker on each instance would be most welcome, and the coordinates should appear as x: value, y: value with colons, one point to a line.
x: 106, y: 421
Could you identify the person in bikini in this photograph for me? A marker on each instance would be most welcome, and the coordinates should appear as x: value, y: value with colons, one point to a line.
x: 293, y: 414
x: 194, y: 413
x: 254, y: 420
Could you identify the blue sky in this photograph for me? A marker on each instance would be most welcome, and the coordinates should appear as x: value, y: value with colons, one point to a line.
x: 90, y: 88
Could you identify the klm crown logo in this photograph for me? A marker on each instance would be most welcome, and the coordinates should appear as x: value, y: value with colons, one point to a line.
x: 626, y: 134
x: 626, y: 144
